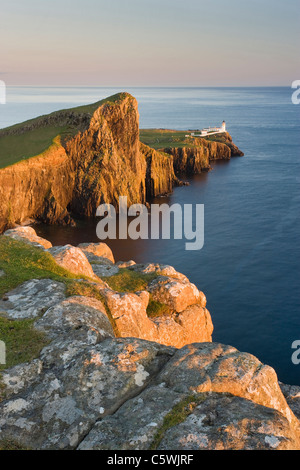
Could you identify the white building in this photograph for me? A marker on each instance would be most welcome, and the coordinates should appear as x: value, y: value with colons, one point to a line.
x: 210, y: 131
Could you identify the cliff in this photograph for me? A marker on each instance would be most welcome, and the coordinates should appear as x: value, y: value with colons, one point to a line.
x: 197, y: 153
x: 111, y: 365
x: 67, y: 163
x: 98, y: 160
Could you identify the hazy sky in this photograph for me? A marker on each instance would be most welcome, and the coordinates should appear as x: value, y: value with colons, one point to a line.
x: 149, y: 42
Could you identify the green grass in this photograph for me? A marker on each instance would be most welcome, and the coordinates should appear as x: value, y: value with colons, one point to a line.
x: 164, y: 138
x: 22, y: 262
x: 23, y: 146
x: 127, y: 280
x: 176, y: 416
x: 160, y: 139
x: 34, y: 137
x: 156, y: 309
x: 23, y: 342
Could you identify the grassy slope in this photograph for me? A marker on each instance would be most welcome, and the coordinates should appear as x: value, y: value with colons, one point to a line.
x: 17, y: 145
x: 165, y: 138
x: 22, y: 262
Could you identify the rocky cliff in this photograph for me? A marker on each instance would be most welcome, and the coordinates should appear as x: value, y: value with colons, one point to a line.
x: 96, y: 157
x: 195, y: 158
x: 112, y: 375
x: 100, y: 161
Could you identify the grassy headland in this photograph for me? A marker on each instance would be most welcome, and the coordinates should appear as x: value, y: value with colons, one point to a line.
x: 34, y: 137
x: 166, y: 138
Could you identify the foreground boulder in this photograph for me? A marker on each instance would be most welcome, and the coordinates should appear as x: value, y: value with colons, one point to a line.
x: 32, y: 298
x: 73, y: 259
x: 28, y: 235
x: 93, y: 251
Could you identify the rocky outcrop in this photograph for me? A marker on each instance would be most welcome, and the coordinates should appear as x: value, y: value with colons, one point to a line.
x: 87, y: 392
x: 196, y: 158
x: 32, y: 298
x: 89, y: 389
x: 28, y: 235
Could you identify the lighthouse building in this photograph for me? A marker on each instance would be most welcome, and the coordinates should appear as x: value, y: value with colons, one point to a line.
x: 210, y: 131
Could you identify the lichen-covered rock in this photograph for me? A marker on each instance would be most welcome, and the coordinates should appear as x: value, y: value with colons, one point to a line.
x: 32, y: 298
x: 225, y: 422
x: 134, y: 425
x: 200, y: 419
x: 28, y: 235
x: 178, y: 294
x: 77, y: 390
x: 217, y: 422
x: 73, y: 259
x: 76, y: 313
x: 116, y: 394
x: 93, y: 251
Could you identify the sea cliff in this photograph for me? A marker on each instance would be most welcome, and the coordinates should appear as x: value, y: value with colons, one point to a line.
x: 95, y: 155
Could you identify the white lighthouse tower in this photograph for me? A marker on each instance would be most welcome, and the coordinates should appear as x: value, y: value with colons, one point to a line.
x: 223, y: 126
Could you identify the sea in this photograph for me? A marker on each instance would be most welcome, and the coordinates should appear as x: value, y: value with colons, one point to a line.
x: 249, y: 266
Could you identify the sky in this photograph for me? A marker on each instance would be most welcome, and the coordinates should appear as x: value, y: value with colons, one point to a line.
x: 149, y: 42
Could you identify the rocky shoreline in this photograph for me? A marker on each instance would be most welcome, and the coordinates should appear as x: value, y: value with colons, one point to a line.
x: 129, y: 363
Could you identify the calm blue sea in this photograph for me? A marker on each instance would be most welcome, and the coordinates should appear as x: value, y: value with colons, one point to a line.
x: 249, y: 267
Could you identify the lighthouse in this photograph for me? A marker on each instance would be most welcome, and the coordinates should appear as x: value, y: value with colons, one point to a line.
x: 223, y: 126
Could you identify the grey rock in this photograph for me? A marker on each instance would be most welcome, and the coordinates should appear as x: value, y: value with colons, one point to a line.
x: 79, y: 384
x: 76, y: 313
x: 134, y: 425
x: 105, y: 270
x: 32, y: 298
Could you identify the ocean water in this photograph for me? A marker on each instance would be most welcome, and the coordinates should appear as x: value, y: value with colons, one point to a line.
x: 249, y: 267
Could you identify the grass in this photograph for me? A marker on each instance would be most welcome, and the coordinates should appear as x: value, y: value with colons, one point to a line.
x: 156, y: 309
x: 127, y: 280
x: 23, y: 342
x: 34, y: 137
x: 23, y: 146
x: 164, y: 138
x: 160, y: 139
x: 22, y: 262
x: 176, y: 416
